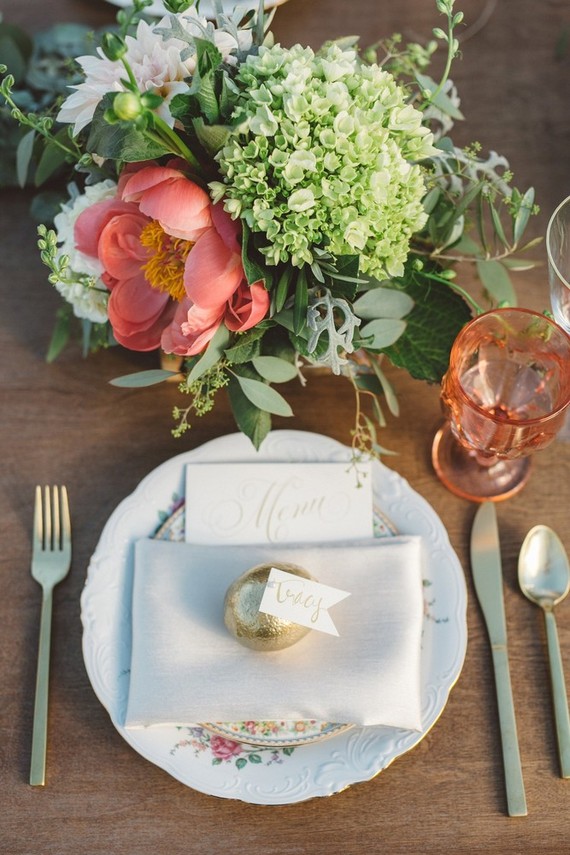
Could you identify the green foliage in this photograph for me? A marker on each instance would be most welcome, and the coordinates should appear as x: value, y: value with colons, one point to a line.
x: 431, y: 327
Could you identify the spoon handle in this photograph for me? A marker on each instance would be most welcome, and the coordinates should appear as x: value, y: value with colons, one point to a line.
x: 559, y: 693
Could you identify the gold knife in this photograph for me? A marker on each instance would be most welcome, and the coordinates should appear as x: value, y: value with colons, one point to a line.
x: 488, y: 579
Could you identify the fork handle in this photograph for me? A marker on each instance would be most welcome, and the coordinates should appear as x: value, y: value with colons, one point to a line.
x: 39, y: 735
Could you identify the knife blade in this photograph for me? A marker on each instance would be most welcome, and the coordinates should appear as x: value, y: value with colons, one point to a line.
x: 488, y: 580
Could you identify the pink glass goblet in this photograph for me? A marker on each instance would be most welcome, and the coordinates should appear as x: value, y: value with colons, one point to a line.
x: 504, y: 395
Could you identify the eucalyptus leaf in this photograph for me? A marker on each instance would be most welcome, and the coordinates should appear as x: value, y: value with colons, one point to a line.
x: 141, y: 379
x: 273, y: 369
x: 383, y: 303
x: 251, y: 421
x: 382, y: 332
x: 496, y: 281
x: 263, y: 396
x: 212, y: 354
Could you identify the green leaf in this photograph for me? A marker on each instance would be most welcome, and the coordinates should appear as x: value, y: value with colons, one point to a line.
x: 457, y: 212
x: 46, y: 205
x: 211, y: 137
x: 254, y: 758
x: 441, y: 100
x: 60, y: 334
x: 263, y: 396
x: 288, y: 750
x: 368, y: 383
x: 282, y: 289
x: 496, y: 281
x: 301, y: 303
x: 431, y: 199
x: 12, y: 56
x: 383, y: 303
x: 207, y: 98
x: 50, y: 161
x: 24, y: 156
x: 498, y: 224
x: 523, y: 214
x: 255, y: 271
x: 346, y: 281
x: 120, y: 141
x: 387, y: 388
x: 273, y: 369
x: 251, y: 421
x: 382, y: 332
x: 518, y: 263
x: 467, y: 246
x: 241, y: 762
x: 212, y: 354
x: 246, y: 347
x: 431, y: 327
x: 142, y: 378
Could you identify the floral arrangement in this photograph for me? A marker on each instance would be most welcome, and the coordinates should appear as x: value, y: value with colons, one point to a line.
x: 253, y: 210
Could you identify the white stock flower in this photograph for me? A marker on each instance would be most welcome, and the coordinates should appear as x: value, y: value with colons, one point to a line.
x: 89, y: 302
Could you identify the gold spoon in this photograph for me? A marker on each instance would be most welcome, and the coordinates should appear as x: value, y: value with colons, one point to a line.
x: 544, y: 577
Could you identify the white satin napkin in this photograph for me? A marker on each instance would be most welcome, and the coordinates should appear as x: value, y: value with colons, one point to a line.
x: 187, y: 668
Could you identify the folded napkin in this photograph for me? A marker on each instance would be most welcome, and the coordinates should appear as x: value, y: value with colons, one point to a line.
x: 187, y: 668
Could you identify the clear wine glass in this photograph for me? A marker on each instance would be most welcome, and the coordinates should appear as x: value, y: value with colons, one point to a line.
x: 558, y: 251
x: 505, y: 394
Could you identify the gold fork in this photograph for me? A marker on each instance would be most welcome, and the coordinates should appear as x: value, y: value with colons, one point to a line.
x: 51, y: 559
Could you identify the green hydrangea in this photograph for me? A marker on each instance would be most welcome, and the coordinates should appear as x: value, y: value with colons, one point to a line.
x: 324, y: 154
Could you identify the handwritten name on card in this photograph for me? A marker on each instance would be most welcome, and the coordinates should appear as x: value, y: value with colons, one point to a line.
x: 301, y: 601
x: 239, y: 503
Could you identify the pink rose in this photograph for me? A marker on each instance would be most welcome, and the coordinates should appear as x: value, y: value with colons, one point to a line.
x: 224, y: 749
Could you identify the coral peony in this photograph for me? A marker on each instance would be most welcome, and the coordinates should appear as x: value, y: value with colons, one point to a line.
x: 172, y: 262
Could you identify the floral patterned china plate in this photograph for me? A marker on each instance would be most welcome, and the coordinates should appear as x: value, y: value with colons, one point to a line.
x: 219, y: 763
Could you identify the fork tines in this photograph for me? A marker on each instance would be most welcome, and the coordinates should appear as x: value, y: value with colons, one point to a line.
x: 52, y: 525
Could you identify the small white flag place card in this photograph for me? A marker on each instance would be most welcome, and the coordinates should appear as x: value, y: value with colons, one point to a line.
x: 300, y: 600
x: 247, y: 503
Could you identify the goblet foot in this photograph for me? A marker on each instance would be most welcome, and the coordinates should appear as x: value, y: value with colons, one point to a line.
x: 462, y: 472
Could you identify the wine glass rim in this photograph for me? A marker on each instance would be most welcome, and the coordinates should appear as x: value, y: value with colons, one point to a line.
x: 518, y: 310
x: 551, y: 260
x: 507, y: 420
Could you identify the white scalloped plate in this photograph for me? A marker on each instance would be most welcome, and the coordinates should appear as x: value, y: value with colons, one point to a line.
x: 222, y: 767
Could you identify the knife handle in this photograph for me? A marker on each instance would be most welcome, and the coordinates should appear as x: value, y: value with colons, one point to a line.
x: 516, y: 801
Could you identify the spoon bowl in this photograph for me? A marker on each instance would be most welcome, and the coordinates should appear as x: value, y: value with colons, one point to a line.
x: 544, y: 577
x: 544, y: 571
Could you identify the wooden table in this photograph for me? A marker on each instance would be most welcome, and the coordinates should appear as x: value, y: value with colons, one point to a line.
x: 63, y: 422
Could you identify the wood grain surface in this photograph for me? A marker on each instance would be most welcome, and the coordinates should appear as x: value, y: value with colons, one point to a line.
x: 64, y: 422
